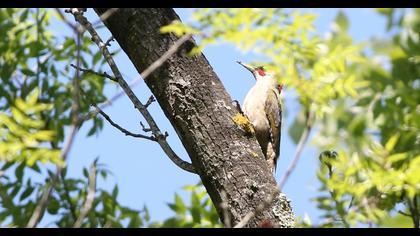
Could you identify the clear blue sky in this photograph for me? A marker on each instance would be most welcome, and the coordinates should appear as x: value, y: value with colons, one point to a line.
x: 141, y: 169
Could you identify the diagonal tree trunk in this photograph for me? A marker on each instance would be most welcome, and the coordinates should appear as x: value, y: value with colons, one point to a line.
x: 230, y: 163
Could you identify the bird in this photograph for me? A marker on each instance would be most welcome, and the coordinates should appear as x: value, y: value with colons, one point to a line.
x: 262, y: 106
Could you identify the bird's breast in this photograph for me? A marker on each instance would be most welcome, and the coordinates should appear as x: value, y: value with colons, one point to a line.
x: 254, y: 107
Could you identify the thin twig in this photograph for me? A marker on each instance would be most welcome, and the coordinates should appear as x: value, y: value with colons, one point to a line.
x: 414, y: 211
x: 108, y: 42
x: 156, y: 64
x: 63, y: 17
x: 68, y: 198
x: 224, y: 206
x: 403, y: 213
x: 150, y: 101
x: 89, y: 71
x: 87, y: 206
x: 42, y: 204
x: 173, y: 49
x: 38, y: 62
x: 105, y: 15
x: 126, y: 132
x: 144, y: 127
x: 302, y: 142
x: 137, y: 104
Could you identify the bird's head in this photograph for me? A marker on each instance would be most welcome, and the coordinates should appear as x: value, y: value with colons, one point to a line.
x: 259, y: 72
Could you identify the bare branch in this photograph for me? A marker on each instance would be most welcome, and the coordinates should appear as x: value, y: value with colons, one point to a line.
x: 137, y: 104
x: 150, y: 101
x: 108, y: 42
x: 72, y: 207
x: 102, y: 74
x: 144, y: 127
x: 224, y: 206
x: 173, y: 49
x: 126, y: 132
x: 403, y: 213
x: 415, y: 213
x: 40, y: 207
x: 106, y: 15
x: 87, y: 206
x: 63, y: 17
x: 165, y: 56
x: 302, y: 142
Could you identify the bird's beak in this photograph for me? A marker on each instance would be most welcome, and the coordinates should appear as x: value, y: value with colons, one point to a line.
x: 248, y: 67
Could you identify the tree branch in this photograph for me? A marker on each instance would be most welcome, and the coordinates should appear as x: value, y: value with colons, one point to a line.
x: 126, y: 132
x: 42, y: 204
x: 89, y: 71
x: 106, y: 15
x: 173, y: 49
x: 301, y: 144
x: 403, y: 213
x: 137, y: 104
x: 68, y: 198
x: 224, y: 206
x: 87, y: 206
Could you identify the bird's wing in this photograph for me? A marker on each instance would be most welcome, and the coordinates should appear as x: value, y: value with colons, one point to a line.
x: 274, y: 114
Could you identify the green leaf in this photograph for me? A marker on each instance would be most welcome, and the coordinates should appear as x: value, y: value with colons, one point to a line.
x: 33, y: 97
x: 19, y: 172
x: 44, y: 135
x: 53, y: 206
x: 196, y: 215
x: 115, y: 192
x: 297, y: 127
x: 146, y: 213
x: 135, y: 222
x: 96, y: 57
x: 180, y: 207
x: 85, y: 173
x: 397, y: 157
x: 104, y: 174
x: 28, y: 191
x: 414, y: 59
x: 390, y: 144
x: 342, y: 21
x: 398, y: 221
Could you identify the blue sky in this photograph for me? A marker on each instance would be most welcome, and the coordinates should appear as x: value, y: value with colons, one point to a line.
x: 147, y: 177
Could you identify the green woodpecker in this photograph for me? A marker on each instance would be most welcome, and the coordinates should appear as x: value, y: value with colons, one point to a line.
x: 263, y: 108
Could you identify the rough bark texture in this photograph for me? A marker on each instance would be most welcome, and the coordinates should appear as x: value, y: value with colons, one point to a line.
x: 201, y: 111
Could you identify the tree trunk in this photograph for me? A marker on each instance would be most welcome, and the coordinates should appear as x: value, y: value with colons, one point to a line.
x: 230, y: 163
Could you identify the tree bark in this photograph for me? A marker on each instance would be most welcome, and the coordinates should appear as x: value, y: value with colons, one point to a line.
x: 201, y: 111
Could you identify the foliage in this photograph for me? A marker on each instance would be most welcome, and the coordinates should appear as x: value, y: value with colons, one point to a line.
x: 377, y: 135
x: 106, y: 210
x: 35, y: 109
x: 22, y: 135
x: 200, y: 213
